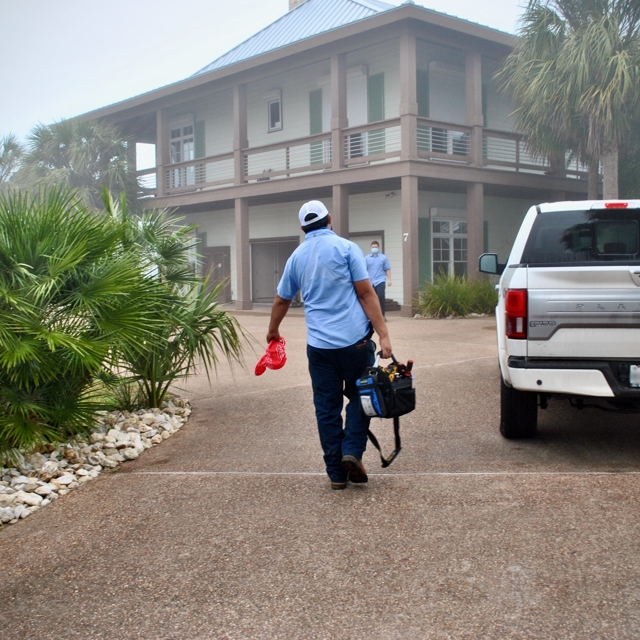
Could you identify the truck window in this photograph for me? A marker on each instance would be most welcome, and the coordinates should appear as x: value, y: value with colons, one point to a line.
x: 561, y: 237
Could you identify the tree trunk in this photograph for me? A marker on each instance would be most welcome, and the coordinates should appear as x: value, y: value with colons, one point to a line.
x: 592, y: 181
x: 610, y: 177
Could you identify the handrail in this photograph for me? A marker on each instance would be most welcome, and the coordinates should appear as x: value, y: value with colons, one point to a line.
x: 206, y: 159
x: 277, y: 146
x: 372, y: 126
x: 439, y: 124
x: 507, y: 135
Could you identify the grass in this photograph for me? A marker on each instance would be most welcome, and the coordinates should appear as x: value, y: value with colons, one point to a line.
x: 456, y: 296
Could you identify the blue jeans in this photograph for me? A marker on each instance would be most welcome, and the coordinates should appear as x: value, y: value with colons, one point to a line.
x: 380, y: 290
x: 333, y: 375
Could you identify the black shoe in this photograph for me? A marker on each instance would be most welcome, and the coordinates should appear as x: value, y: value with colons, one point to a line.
x: 338, y: 486
x: 355, y: 469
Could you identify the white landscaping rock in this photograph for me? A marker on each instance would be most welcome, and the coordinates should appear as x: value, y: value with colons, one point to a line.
x: 45, y: 489
x: 40, y: 479
x: 31, y: 499
x: 7, y: 515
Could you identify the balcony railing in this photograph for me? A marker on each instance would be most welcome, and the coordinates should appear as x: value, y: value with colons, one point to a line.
x: 376, y: 142
x: 443, y: 141
x: 371, y: 143
x: 508, y: 152
x: 195, y: 175
x: 284, y: 159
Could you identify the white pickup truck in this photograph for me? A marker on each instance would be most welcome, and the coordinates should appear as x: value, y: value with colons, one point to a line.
x: 568, y: 314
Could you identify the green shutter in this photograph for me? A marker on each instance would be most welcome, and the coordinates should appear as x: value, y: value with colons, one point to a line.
x: 424, y: 251
x: 315, y: 124
x: 315, y: 111
x: 423, y: 93
x: 199, y: 139
x: 375, y: 102
x: 375, y: 95
x: 199, y: 144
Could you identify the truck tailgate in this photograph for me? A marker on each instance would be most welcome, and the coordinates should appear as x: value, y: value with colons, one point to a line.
x: 585, y: 312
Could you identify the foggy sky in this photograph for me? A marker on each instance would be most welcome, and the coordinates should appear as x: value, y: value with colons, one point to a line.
x: 61, y: 58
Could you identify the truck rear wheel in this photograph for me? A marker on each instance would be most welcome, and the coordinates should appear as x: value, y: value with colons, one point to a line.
x: 518, y: 412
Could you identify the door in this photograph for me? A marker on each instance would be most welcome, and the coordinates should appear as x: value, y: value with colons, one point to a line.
x: 268, y: 259
x: 216, y: 262
x: 364, y: 240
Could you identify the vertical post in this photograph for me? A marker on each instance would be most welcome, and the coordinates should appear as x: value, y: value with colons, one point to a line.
x: 340, y: 213
x: 475, y: 227
x: 162, y: 150
x: 475, y: 116
x: 408, y: 98
x: 409, y: 243
x: 338, y: 108
x: 243, y: 263
x: 240, y: 140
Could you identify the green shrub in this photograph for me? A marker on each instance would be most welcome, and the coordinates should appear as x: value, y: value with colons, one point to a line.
x: 192, y: 329
x: 456, y: 296
x: 71, y: 299
x: 96, y: 309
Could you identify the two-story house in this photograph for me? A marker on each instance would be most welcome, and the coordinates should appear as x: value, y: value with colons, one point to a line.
x: 388, y: 114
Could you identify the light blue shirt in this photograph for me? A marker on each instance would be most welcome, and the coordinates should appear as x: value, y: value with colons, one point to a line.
x: 323, y: 268
x: 377, y: 267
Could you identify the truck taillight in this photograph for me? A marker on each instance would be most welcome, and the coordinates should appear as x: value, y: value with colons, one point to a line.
x: 516, y: 313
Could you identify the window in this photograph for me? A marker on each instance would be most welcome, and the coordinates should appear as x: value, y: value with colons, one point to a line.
x: 182, y: 149
x: 584, y: 237
x: 274, y: 111
x: 449, y: 248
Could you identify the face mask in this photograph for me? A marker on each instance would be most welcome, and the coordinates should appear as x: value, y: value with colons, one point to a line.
x: 374, y: 250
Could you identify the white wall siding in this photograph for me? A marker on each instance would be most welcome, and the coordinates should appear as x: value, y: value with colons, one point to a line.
x: 221, y: 232
x: 504, y: 216
x: 498, y: 107
x: 382, y: 58
x: 295, y: 87
x: 375, y: 212
x: 217, y: 112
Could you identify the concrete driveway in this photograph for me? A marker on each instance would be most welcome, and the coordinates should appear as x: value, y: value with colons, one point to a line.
x: 230, y: 530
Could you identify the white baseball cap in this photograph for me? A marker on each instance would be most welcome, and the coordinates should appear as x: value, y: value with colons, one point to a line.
x: 311, y: 212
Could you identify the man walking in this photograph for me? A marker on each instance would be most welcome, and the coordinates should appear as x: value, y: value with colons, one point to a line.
x: 340, y: 306
x: 379, y: 271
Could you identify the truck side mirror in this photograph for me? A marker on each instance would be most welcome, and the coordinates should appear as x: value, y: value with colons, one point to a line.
x: 488, y: 263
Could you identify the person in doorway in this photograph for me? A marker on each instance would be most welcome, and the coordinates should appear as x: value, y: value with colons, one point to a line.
x: 340, y: 308
x: 379, y: 271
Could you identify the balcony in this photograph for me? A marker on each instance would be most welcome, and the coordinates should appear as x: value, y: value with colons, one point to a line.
x: 371, y: 144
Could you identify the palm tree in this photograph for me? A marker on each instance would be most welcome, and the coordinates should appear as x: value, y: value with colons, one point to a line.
x: 83, y: 155
x: 10, y: 153
x: 575, y: 79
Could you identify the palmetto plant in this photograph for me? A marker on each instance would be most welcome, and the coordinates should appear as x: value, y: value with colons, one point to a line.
x: 72, y: 297
x: 575, y: 78
x: 192, y: 330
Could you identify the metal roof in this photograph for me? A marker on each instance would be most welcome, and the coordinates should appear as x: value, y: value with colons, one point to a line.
x: 308, y: 19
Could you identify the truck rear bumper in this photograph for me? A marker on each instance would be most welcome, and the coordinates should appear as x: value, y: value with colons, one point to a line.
x: 583, y: 378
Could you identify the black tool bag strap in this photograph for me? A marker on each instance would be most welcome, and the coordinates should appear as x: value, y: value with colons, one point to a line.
x: 396, y: 433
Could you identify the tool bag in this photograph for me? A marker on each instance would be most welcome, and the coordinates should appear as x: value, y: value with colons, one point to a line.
x: 387, y: 392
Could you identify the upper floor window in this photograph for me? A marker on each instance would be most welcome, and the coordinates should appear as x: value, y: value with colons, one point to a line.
x: 182, y: 149
x: 274, y: 111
